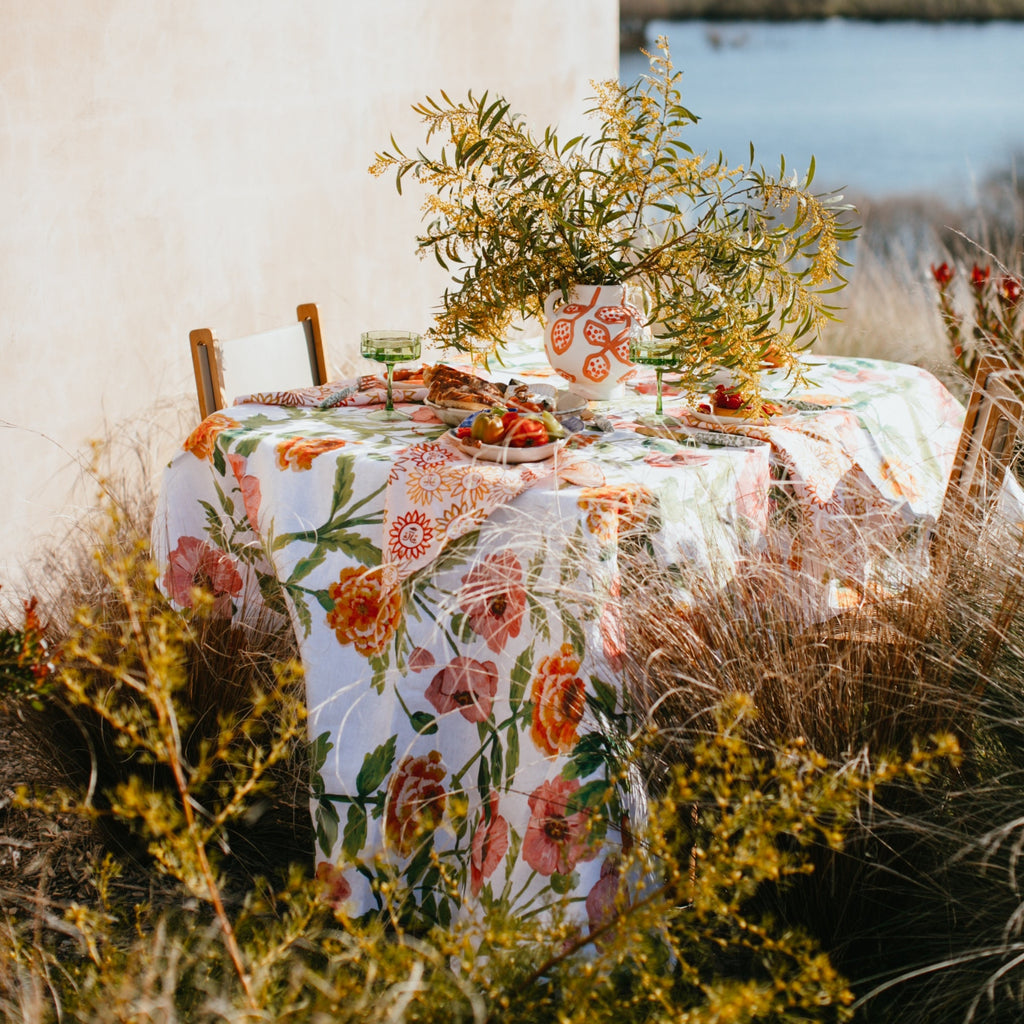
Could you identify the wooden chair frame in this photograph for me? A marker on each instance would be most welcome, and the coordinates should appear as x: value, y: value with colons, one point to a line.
x: 206, y: 363
x: 994, y: 415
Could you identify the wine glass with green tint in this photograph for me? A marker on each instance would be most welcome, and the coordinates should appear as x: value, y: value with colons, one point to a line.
x: 647, y: 350
x: 390, y: 348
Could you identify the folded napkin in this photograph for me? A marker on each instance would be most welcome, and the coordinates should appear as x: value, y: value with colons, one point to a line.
x: 366, y: 390
x: 436, y: 494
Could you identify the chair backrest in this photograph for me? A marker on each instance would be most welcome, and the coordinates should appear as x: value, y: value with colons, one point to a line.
x: 994, y: 416
x: 288, y: 357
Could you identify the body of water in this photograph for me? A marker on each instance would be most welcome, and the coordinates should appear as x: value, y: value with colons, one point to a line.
x: 886, y: 109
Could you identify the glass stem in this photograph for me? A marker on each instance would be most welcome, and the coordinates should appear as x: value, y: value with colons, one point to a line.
x: 389, y: 405
x: 657, y: 372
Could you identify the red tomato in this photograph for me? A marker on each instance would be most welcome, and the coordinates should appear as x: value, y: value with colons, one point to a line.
x: 527, y: 433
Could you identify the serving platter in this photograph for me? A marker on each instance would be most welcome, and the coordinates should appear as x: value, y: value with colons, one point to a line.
x: 786, y: 415
x: 447, y: 414
x: 565, y: 403
x: 505, y: 453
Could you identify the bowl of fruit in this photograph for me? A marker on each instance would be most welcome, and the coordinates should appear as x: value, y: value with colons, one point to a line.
x: 728, y: 405
x: 509, y: 435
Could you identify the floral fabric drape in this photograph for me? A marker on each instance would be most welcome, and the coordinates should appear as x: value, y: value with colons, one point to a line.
x: 458, y: 619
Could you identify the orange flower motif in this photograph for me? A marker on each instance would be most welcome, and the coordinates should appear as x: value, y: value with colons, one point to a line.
x: 202, y: 440
x: 334, y: 886
x: 366, y: 610
x: 415, y: 801
x: 426, y: 484
x: 614, y: 510
x: 900, y: 479
x: 558, y: 703
x: 410, y: 536
x: 298, y: 453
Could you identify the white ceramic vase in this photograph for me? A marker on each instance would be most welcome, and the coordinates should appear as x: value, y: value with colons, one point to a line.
x: 586, y: 339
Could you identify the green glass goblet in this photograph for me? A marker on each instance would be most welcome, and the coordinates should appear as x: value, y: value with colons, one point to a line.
x: 390, y: 348
x: 646, y: 350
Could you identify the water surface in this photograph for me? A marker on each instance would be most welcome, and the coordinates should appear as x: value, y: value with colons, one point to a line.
x: 885, y: 108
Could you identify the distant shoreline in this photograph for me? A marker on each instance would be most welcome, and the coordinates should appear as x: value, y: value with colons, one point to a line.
x: 792, y: 10
x: 635, y: 14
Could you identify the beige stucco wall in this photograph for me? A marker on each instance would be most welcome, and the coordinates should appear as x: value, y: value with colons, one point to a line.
x: 168, y: 165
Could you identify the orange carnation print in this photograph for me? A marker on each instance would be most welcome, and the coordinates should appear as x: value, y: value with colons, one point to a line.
x: 298, y: 453
x: 558, y: 703
x: 900, y: 479
x: 366, y: 610
x: 202, y: 440
x: 415, y: 801
x: 612, y: 511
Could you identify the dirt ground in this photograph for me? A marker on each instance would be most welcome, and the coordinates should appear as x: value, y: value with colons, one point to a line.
x: 45, y: 858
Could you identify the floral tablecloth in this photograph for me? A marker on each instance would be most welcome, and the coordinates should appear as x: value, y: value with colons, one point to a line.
x: 458, y: 619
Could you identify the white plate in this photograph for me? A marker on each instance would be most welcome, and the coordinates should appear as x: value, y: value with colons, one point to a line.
x: 568, y: 403
x: 504, y: 453
x: 447, y: 414
x: 779, y: 419
x: 564, y: 402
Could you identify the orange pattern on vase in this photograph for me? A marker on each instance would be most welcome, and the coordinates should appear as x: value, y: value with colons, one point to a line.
x: 564, y: 329
x: 594, y: 357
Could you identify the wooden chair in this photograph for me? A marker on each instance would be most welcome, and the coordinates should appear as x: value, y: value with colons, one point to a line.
x: 886, y: 651
x: 992, y: 422
x: 287, y: 357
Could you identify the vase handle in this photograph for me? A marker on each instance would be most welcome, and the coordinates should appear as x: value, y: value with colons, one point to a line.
x: 551, y: 301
